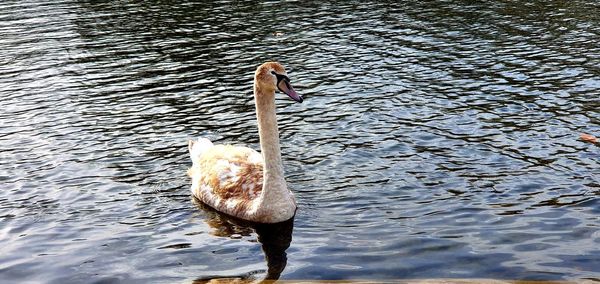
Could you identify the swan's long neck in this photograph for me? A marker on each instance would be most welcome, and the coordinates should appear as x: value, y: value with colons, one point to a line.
x: 274, y: 186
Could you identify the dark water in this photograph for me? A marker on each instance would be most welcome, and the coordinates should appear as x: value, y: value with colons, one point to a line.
x: 437, y: 139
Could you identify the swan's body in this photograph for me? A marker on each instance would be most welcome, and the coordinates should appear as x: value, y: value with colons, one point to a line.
x: 238, y: 180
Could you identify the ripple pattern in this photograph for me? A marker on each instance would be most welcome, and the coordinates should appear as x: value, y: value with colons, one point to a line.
x: 437, y: 139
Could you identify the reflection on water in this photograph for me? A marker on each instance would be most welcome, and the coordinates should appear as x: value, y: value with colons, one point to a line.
x: 275, y: 239
x: 438, y: 139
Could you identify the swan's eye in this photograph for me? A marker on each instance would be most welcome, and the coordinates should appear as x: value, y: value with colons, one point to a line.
x: 280, y: 77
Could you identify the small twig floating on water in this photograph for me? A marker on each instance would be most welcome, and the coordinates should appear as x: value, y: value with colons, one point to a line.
x: 588, y: 138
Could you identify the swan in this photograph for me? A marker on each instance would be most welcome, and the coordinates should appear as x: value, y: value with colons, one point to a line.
x: 239, y: 181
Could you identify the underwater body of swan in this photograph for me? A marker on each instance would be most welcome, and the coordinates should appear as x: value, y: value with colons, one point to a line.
x: 239, y: 181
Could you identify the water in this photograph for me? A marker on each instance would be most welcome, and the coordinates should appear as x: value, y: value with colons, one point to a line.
x: 437, y: 139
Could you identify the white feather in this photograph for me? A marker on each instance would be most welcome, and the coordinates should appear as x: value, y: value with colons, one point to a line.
x: 197, y: 148
x: 255, y: 158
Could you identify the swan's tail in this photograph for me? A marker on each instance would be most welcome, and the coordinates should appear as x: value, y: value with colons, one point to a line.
x: 197, y: 148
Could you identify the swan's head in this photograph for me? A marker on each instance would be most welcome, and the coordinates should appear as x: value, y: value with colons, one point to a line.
x: 271, y: 76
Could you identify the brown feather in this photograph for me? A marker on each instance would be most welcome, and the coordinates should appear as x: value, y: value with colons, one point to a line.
x: 230, y: 172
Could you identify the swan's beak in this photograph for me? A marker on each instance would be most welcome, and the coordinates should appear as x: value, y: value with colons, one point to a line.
x: 284, y: 86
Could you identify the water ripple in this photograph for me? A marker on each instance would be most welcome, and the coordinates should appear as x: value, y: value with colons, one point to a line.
x: 437, y: 139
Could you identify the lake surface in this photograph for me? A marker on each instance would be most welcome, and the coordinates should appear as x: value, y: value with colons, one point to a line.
x: 437, y: 139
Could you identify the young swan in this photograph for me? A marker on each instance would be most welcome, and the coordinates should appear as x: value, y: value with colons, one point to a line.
x: 239, y: 181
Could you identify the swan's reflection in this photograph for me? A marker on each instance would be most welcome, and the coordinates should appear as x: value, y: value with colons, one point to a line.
x: 274, y: 238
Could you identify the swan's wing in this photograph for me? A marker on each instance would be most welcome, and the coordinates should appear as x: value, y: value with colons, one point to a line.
x: 226, y: 172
